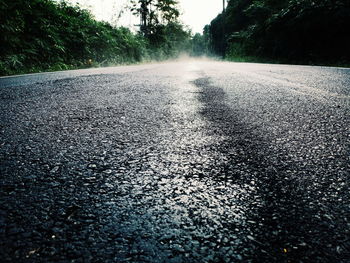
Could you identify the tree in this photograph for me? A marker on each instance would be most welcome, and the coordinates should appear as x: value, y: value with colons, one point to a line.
x: 153, y: 13
x: 291, y: 31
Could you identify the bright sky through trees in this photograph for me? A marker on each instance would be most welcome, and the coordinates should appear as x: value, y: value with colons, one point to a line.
x: 195, y: 13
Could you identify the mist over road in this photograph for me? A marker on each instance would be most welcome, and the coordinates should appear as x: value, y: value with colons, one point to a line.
x: 189, y: 161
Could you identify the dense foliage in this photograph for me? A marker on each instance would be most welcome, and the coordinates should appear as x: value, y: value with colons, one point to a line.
x: 299, y: 31
x: 40, y: 35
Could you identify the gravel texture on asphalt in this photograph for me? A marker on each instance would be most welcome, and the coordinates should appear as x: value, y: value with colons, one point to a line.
x: 196, y: 161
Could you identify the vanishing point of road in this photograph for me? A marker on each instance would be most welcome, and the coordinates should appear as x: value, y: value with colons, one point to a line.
x: 188, y: 161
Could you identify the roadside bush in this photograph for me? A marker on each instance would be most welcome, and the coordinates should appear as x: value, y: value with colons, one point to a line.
x: 38, y: 35
x: 290, y: 31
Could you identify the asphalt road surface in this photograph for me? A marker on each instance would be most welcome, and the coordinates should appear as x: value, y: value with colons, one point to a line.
x: 192, y: 161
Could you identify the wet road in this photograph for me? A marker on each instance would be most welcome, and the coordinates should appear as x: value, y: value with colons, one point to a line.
x: 195, y: 161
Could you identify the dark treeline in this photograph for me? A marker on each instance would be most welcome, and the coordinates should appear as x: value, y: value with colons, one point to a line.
x: 293, y: 31
x: 37, y: 35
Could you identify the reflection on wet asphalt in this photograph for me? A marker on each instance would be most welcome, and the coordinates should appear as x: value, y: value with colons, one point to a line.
x: 194, y: 161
